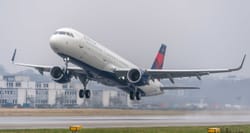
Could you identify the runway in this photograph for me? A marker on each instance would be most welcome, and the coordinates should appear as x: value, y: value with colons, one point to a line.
x: 121, y: 121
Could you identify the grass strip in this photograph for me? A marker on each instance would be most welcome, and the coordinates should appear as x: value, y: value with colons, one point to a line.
x: 199, y: 129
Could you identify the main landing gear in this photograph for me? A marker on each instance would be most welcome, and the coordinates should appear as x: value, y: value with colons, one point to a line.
x: 135, y: 94
x: 84, y: 92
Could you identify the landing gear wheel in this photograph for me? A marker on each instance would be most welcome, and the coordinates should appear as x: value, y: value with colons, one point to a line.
x: 132, y: 95
x: 138, y: 95
x: 87, y: 94
x: 81, y: 93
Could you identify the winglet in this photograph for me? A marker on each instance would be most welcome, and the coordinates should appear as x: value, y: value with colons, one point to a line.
x: 13, y: 56
x: 243, y: 60
x: 241, y: 65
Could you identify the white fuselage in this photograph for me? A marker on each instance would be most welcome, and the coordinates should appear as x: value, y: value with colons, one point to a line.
x: 96, y: 59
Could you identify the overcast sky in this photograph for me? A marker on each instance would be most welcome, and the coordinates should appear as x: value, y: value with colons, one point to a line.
x: 198, y: 33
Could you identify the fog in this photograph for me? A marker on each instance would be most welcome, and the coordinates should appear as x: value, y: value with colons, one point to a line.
x: 199, y: 34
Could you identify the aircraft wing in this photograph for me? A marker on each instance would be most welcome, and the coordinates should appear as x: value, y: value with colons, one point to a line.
x: 178, y: 88
x: 171, y: 74
x: 43, y: 68
x: 164, y: 73
x: 76, y: 71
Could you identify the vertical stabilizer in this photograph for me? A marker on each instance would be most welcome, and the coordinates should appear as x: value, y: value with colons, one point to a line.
x: 159, y: 59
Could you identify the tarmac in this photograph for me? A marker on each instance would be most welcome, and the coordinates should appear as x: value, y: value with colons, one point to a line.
x: 38, y: 122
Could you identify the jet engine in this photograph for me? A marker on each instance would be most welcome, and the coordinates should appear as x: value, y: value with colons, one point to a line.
x: 60, y: 75
x: 134, y: 76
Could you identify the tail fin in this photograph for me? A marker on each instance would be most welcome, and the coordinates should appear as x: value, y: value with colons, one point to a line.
x: 159, y: 59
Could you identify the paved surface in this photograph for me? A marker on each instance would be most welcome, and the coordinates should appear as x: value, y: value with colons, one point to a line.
x: 121, y: 121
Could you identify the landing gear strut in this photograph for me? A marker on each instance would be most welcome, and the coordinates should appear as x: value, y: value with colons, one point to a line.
x: 84, y: 79
x: 135, y: 94
x: 138, y: 95
x: 66, y: 61
x: 132, y: 95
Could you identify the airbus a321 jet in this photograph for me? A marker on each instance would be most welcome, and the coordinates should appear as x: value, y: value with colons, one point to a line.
x: 97, y: 63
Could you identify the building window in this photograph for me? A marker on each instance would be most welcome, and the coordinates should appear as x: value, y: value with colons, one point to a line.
x: 73, y: 101
x: 9, y: 78
x: 14, y: 101
x: 65, y: 86
x: 18, y: 84
x: 9, y: 84
x: 44, y: 101
x: 38, y: 85
x: 3, y: 101
x: 46, y: 85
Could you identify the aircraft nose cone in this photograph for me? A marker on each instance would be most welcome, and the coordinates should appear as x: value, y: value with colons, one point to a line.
x: 54, y: 42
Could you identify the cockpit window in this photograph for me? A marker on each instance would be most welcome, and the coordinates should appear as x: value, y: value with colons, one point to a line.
x: 64, y: 33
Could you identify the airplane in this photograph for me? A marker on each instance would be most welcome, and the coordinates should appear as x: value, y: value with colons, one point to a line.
x: 94, y: 62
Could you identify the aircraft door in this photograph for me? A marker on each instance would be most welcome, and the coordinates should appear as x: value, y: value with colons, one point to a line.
x: 81, y: 43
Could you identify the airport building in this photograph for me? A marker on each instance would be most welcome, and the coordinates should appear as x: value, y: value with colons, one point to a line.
x: 23, y: 92
x: 110, y: 98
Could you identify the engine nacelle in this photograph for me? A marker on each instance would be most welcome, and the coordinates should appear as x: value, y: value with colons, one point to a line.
x: 60, y: 75
x: 134, y: 76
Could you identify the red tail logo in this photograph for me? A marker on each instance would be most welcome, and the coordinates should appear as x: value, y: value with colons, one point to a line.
x: 159, y: 59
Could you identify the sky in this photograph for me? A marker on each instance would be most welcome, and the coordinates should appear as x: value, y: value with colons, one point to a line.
x: 198, y: 33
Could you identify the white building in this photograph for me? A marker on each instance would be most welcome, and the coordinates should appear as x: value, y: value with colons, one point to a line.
x: 20, y: 90
x: 110, y: 98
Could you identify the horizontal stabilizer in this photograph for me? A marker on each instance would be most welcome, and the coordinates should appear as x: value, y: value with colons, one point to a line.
x: 179, y: 88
